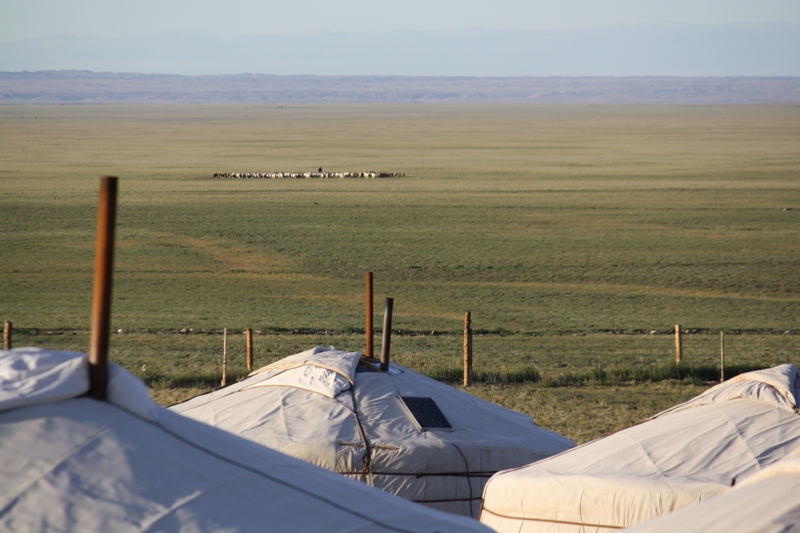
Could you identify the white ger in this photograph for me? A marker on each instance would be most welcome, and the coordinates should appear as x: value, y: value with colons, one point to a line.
x: 681, y: 456
x: 398, y: 430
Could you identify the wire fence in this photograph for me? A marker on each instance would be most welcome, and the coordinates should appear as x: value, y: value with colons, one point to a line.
x: 195, y: 357
x: 603, y: 358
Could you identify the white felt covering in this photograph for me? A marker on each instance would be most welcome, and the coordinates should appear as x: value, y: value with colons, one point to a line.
x: 318, y: 407
x: 686, y: 454
x: 72, y: 463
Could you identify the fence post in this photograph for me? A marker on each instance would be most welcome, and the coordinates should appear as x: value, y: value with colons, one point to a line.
x: 7, y: 335
x: 721, y: 356
x: 249, y: 349
x: 369, y: 332
x: 224, y: 357
x: 467, y: 349
x: 678, y: 344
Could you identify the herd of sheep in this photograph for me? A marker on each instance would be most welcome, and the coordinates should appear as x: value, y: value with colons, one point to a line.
x: 319, y: 174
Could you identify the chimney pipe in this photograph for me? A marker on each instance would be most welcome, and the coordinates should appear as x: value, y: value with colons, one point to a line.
x: 101, y: 301
x: 387, y: 334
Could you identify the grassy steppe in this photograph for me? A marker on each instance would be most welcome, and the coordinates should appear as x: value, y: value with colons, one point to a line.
x: 546, y: 222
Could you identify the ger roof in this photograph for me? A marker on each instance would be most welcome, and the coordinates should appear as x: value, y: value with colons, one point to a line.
x: 766, y: 502
x: 683, y: 455
x: 332, y: 408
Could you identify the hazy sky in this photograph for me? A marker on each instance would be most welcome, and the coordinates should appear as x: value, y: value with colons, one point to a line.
x: 110, y: 18
x: 46, y: 34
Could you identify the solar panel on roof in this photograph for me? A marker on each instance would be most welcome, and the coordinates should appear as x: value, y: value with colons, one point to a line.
x: 425, y: 412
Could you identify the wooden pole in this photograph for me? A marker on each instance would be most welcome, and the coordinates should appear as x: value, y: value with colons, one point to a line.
x: 224, y: 357
x: 370, y: 314
x: 249, y: 349
x: 721, y: 356
x: 101, y: 301
x: 467, y: 349
x: 387, y: 334
x: 678, y: 344
x: 7, y: 335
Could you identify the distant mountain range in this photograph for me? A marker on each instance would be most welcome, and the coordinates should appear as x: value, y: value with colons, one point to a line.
x: 85, y: 87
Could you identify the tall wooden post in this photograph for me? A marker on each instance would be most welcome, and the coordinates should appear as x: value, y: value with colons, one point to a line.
x: 101, y: 301
x: 249, y: 349
x: 721, y: 356
x: 7, y: 335
x: 224, y: 357
x: 467, y: 349
x: 387, y: 334
x: 678, y: 344
x: 370, y: 315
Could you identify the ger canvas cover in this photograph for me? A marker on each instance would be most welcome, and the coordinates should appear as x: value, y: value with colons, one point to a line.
x: 398, y: 430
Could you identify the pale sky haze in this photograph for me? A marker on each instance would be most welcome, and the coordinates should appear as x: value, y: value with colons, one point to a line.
x: 111, y: 18
x: 208, y: 37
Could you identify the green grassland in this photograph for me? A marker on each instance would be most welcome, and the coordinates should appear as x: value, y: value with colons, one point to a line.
x: 555, y: 226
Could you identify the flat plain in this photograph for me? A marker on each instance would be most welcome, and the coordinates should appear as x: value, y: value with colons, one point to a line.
x: 569, y: 232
